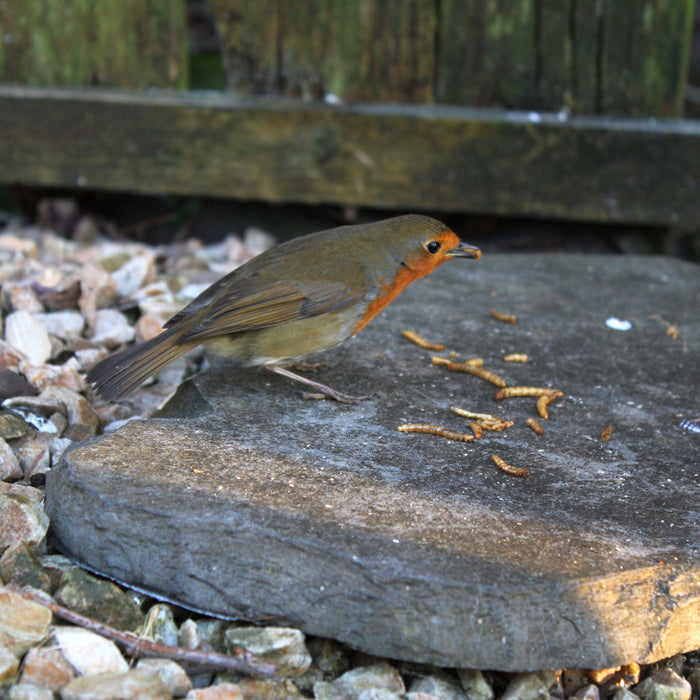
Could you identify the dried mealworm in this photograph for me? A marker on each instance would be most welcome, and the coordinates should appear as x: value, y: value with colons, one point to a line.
x: 509, y: 468
x: 444, y: 362
x: 435, y: 430
x: 606, y: 432
x: 498, y: 424
x: 474, y: 362
x: 476, y: 429
x: 505, y: 318
x: 535, y: 425
x: 512, y: 391
x: 421, y: 341
x: 470, y: 414
x: 517, y: 357
x: 475, y: 371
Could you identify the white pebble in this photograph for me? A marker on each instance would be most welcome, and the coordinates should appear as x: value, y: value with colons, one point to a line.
x: 131, y: 276
x: 89, y: 653
x: 26, y: 333
x: 618, y: 324
x: 22, y: 298
x: 257, y: 241
x: 112, y: 328
x: 66, y: 325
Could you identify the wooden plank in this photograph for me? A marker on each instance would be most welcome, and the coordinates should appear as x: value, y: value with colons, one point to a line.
x: 373, y: 50
x: 139, y: 44
x: 414, y: 158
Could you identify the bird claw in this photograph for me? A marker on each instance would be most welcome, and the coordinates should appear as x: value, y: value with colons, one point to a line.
x: 335, y: 395
x: 323, y: 391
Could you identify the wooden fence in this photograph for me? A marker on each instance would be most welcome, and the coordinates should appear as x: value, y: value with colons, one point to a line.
x: 553, y: 108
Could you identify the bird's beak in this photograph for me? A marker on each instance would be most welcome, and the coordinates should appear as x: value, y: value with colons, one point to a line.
x: 464, y: 250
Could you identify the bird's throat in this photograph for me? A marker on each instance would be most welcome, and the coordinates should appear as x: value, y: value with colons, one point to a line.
x: 388, y: 292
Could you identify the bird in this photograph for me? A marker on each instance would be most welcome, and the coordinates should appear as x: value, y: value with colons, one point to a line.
x: 294, y: 300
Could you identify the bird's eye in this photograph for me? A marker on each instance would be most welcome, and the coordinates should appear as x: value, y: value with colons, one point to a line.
x: 432, y: 247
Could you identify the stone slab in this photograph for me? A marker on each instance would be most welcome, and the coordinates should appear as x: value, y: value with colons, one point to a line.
x: 243, y: 499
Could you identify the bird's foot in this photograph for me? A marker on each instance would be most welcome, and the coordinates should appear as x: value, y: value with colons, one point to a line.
x: 308, y: 366
x: 322, y: 390
x: 333, y: 394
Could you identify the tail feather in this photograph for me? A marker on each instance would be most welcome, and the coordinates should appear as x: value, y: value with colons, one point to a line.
x: 122, y: 372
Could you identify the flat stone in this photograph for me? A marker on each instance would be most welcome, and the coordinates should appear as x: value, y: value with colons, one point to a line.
x: 241, y: 499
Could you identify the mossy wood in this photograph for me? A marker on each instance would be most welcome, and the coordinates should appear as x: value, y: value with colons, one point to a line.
x: 583, y: 55
x: 402, y: 157
x: 375, y: 51
x: 135, y: 44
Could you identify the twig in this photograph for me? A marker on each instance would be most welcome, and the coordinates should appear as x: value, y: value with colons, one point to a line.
x: 239, y: 660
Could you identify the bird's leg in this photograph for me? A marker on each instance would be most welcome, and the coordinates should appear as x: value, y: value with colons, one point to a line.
x: 325, y: 391
x: 303, y: 366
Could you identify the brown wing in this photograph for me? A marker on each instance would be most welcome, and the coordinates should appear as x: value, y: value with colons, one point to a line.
x: 253, y: 304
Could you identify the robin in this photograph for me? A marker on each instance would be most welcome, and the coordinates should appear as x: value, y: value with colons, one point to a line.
x: 296, y: 299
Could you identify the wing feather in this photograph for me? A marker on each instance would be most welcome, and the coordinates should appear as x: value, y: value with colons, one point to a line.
x: 257, y: 304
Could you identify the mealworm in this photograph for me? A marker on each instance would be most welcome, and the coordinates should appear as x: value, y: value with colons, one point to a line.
x: 606, y: 432
x: 435, y: 430
x: 544, y: 401
x: 506, y: 318
x: 512, y: 391
x: 444, y: 362
x: 421, y: 341
x: 509, y: 468
x: 470, y: 414
x: 476, y: 371
x: 476, y: 429
x: 498, y: 424
x: 517, y: 357
x: 534, y: 424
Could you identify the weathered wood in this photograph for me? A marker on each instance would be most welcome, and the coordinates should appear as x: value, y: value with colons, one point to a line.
x: 140, y: 43
x: 646, y: 56
x: 373, y: 50
x: 418, y: 158
x: 583, y: 55
x: 485, y: 52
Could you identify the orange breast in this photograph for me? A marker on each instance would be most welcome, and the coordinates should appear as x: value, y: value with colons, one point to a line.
x: 389, y: 292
